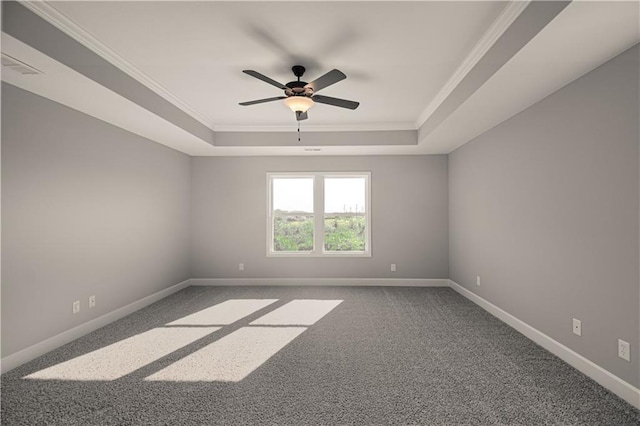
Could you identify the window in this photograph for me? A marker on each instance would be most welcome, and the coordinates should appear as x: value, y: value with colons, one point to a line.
x: 319, y: 214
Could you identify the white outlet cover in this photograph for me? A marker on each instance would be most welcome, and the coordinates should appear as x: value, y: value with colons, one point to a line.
x: 478, y: 280
x: 76, y: 306
x: 92, y: 301
x: 624, y: 350
x: 393, y: 267
x: 241, y: 266
x: 577, y: 327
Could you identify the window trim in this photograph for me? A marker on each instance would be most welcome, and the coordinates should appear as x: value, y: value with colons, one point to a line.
x: 318, y: 212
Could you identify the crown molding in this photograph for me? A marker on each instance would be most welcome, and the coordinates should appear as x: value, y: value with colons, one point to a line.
x: 75, y: 31
x: 363, y: 127
x: 508, y: 15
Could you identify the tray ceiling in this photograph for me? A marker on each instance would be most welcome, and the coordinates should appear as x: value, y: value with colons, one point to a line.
x: 427, y: 74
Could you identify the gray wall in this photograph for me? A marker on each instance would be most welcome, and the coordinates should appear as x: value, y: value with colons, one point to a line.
x: 87, y: 208
x: 409, y: 218
x: 545, y: 209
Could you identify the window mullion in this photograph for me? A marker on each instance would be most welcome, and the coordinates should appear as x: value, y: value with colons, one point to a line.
x: 270, y: 215
x: 318, y: 214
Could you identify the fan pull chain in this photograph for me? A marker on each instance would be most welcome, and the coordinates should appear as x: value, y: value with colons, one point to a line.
x: 298, y: 131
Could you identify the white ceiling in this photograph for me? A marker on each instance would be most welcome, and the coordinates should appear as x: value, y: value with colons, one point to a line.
x: 400, y: 59
x: 392, y: 53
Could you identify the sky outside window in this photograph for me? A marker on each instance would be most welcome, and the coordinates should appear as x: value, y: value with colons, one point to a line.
x: 293, y: 194
x: 344, y: 195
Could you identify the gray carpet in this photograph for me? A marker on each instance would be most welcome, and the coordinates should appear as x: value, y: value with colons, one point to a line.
x: 383, y: 356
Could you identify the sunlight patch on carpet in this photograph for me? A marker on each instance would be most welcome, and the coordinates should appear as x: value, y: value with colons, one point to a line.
x: 123, y: 357
x: 229, y: 359
x: 298, y: 312
x: 232, y: 358
x: 224, y: 313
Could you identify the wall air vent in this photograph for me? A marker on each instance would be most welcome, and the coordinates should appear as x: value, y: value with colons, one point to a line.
x: 9, y: 62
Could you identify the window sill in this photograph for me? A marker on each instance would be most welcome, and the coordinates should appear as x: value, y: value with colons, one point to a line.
x: 317, y: 255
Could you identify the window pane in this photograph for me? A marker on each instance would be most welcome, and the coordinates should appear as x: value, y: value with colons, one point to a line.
x: 292, y: 195
x: 344, y: 219
x: 344, y: 195
x: 292, y: 214
x: 293, y: 232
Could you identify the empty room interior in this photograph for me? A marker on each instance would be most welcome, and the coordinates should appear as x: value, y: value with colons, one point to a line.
x: 320, y: 212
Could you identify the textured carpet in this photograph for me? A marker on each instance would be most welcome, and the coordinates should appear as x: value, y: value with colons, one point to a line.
x: 382, y: 356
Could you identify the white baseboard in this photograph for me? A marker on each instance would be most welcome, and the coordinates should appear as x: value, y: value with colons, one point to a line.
x: 14, y: 360
x: 623, y: 389
x: 346, y: 282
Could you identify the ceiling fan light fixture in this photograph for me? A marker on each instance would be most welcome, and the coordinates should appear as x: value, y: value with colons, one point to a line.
x: 298, y: 103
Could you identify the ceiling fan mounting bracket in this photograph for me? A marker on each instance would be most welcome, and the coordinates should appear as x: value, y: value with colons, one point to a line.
x: 298, y: 71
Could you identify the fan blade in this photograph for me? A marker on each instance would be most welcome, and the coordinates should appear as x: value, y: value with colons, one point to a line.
x: 301, y: 116
x: 264, y: 78
x: 328, y: 79
x: 259, y: 101
x: 342, y: 103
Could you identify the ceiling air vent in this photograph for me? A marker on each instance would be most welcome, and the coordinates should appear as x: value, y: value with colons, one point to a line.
x: 12, y: 63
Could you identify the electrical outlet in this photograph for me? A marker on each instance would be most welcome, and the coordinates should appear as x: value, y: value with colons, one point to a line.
x: 577, y: 327
x: 92, y: 301
x: 624, y: 351
x: 76, y: 306
x: 478, y: 280
x: 241, y: 266
x: 393, y: 267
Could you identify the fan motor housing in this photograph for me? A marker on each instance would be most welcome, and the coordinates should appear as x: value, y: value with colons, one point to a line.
x: 297, y: 88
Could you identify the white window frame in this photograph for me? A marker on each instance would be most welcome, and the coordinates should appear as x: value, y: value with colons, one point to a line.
x: 318, y: 214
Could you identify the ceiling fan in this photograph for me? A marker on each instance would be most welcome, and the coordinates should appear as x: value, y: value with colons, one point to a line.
x: 300, y: 95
